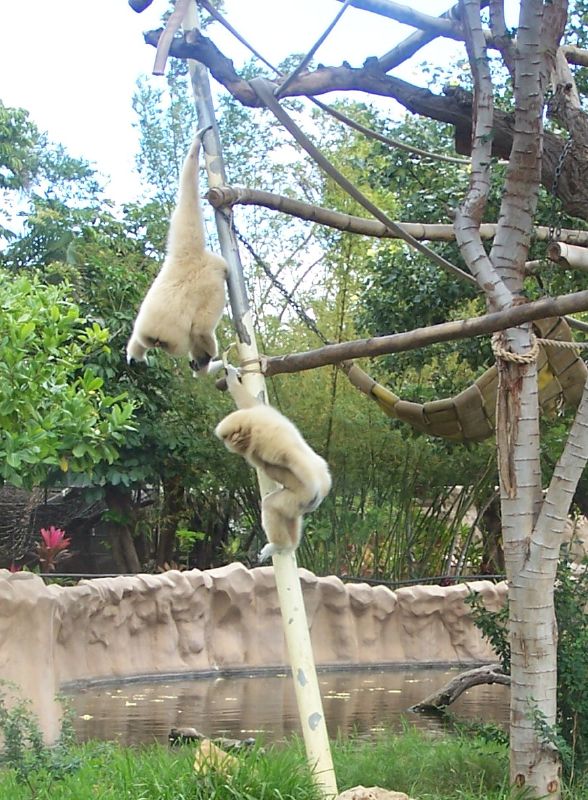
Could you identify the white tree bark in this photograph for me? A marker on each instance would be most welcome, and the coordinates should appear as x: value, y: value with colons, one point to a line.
x: 531, y: 529
x: 469, y: 215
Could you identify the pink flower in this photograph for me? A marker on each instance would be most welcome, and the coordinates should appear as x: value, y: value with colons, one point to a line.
x: 54, y: 538
x: 53, y: 549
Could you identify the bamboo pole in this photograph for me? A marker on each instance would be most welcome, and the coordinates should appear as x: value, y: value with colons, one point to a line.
x: 222, y: 196
x: 568, y: 255
x: 310, y: 707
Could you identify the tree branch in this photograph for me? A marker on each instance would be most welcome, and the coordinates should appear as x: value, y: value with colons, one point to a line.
x: 263, y: 87
x: 448, y: 694
x: 453, y: 108
x: 575, y: 55
x: 301, y: 66
x: 422, y: 337
x: 568, y: 255
x: 240, y: 195
x: 173, y: 23
x: 413, y: 43
x: 501, y: 37
x: 547, y: 533
x: 524, y: 170
x: 408, y: 16
x: 469, y: 213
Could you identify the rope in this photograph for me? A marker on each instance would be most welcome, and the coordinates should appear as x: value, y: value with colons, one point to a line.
x: 528, y: 358
x: 288, y: 296
x: 558, y: 343
x: 514, y: 358
x: 408, y: 148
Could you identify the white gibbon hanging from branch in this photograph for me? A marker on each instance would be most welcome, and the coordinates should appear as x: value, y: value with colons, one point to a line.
x: 185, y: 302
x: 270, y: 442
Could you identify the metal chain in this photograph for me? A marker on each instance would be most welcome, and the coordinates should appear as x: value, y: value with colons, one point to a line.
x: 292, y: 302
x: 554, y: 229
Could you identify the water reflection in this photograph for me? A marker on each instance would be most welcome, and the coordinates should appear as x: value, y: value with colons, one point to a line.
x: 361, y: 701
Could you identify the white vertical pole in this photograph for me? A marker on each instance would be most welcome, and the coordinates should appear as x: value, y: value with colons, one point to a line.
x: 308, y: 696
x: 310, y: 707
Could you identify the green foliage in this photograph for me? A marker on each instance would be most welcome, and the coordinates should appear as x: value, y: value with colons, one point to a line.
x: 401, y: 526
x: 18, y: 161
x: 571, y: 601
x: 55, y: 417
x: 453, y: 767
x: 31, y: 166
x: 186, y: 540
x: 24, y: 752
x: 430, y: 769
x: 156, y: 773
x: 424, y: 768
x: 494, y: 627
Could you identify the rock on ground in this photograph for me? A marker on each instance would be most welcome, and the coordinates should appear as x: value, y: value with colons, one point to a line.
x: 373, y: 793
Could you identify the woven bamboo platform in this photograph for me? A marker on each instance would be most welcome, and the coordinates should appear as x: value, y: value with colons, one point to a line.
x: 470, y: 415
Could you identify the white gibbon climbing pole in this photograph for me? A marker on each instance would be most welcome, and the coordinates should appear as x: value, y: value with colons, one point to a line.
x: 310, y: 707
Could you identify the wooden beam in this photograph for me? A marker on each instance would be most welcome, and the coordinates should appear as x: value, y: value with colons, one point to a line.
x: 422, y: 337
x: 441, y: 26
x: 241, y: 195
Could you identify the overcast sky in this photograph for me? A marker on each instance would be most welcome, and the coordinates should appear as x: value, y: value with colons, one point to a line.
x: 73, y: 64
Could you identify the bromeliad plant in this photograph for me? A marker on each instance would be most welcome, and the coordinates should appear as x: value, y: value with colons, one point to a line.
x: 52, y: 550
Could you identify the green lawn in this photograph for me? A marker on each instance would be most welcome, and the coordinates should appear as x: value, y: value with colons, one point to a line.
x: 426, y: 767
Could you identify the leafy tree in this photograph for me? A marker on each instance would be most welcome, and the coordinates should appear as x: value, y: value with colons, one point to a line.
x: 33, y: 168
x: 56, y: 417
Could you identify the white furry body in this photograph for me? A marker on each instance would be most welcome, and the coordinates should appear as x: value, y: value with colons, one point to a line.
x: 270, y: 442
x: 185, y: 302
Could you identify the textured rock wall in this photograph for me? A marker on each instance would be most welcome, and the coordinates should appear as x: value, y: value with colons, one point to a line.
x: 218, y: 619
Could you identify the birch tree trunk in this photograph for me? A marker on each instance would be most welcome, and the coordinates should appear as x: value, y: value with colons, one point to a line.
x: 531, y: 527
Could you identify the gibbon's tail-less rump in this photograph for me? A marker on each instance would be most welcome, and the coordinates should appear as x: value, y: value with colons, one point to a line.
x: 186, y: 300
x: 270, y: 442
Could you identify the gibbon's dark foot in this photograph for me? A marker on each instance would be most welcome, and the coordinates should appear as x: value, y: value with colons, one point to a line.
x: 132, y: 362
x: 200, y: 364
x: 200, y: 133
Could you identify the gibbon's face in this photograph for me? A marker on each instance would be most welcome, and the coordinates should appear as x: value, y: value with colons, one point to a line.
x: 237, y: 439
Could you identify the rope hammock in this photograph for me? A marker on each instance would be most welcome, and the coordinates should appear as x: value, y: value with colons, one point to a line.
x: 470, y: 415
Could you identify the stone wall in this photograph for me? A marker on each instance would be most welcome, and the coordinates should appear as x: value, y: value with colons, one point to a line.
x: 224, y: 618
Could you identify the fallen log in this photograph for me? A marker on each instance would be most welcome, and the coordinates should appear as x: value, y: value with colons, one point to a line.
x: 439, y: 700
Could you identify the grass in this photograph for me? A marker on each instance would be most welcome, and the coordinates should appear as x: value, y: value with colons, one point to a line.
x: 425, y: 767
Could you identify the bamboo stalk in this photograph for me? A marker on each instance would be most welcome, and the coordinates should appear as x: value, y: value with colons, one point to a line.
x: 286, y: 574
x: 222, y: 196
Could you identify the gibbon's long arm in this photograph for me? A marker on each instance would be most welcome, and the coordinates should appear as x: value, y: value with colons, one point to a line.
x: 186, y: 300
x: 270, y: 442
x: 242, y: 398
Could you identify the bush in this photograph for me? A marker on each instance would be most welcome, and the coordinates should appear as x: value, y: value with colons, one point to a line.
x: 24, y: 751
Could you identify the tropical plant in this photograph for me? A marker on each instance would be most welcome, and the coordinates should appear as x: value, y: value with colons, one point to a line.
x: 52, y: 549
x: 55, y: 416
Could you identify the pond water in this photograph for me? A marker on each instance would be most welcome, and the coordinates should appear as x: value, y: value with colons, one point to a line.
x: 361, y: 701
